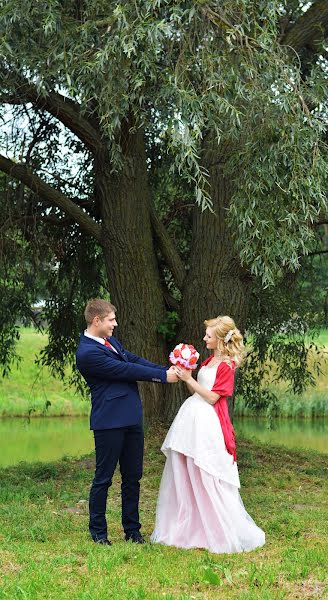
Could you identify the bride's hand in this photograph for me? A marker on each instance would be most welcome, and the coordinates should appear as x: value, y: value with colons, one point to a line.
x: 183, y: 374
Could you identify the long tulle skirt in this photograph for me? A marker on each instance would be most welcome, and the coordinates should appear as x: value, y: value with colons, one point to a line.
x: 197, y: 510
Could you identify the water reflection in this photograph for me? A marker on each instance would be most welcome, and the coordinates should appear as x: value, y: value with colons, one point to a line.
x: 43, y: 439
x: 294, y: 433
x: 52, y: 438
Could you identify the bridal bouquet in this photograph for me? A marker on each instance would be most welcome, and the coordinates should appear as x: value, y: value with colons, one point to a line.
x: 184, y: 355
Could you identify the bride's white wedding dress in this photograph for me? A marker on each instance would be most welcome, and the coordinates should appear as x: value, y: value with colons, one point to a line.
x: 199, y: 505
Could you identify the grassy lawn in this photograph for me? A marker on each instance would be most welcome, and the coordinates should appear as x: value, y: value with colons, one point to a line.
x: 30, y: 388
x: 323, y: 338
x: 45, y: 552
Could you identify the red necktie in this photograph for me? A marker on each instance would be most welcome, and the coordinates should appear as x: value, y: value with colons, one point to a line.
x: 107, y: 343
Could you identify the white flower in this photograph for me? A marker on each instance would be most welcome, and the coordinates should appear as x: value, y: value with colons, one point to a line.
x: 186, y: 353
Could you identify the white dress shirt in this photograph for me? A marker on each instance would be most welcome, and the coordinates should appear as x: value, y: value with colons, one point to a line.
x: 99, y: 339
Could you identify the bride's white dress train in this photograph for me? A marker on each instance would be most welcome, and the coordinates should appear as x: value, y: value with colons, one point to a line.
x: 199, y: 505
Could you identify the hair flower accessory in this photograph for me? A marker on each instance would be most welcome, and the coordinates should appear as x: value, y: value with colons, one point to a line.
x: 229, y: 335
x: 184, y: 355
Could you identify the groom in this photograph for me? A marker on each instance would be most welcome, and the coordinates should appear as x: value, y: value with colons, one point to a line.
x: 111, y: 373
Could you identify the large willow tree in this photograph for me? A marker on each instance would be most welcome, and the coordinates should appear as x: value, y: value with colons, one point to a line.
x: 235, y: 91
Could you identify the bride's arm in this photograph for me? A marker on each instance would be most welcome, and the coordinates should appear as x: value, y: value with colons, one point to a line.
x: 194, y: 386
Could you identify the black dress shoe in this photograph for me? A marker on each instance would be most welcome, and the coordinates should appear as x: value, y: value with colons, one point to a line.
x: 103, y: 542
x: 135, y: 538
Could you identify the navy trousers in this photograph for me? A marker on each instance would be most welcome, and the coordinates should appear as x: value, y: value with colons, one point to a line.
x: 125, y: 446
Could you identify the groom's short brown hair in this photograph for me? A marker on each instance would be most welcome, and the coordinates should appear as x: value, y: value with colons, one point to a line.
x: 98, y: 308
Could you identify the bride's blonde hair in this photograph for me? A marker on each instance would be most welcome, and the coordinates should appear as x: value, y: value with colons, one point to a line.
x: 230, y: 340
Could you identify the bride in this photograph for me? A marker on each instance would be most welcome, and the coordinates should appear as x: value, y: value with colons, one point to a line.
x: 199, y: 505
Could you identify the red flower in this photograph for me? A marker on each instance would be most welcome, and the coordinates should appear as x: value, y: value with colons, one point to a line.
x: 184, y: 355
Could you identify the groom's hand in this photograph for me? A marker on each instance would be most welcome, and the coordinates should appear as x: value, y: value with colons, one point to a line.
x: 171, y: 376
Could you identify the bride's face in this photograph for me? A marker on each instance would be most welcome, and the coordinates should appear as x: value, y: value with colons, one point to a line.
x: 210, y: 339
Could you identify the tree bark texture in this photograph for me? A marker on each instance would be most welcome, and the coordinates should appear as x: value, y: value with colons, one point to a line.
x: 133, y: 277
x: 216, y: 283
x: 310, y: 29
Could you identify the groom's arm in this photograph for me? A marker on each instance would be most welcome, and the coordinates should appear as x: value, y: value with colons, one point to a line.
x: 133, y: 358
x: 99, y: 364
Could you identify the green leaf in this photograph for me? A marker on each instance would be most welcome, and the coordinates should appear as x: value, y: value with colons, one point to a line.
x: 211, y: 577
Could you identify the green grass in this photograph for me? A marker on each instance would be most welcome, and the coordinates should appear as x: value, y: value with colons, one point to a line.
x: 323, y: 338
x: 45, y: 551
x: 30, y: 388
x: 312, y: 404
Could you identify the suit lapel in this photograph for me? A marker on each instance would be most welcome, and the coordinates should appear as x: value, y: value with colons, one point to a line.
x: 119, y: 353
x: 118, y: 350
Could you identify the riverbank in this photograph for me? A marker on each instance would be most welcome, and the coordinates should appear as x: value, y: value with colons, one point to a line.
x: 45, y: 552
x: 311, y: 404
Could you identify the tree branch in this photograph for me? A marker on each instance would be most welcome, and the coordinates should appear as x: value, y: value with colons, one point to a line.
x: 25, y: 219
x: 317, y: 252
x: 64, y: 109
x: 168, y: 250
x: 310, y: 29
x: 220, y: 21
x: 51, y: 196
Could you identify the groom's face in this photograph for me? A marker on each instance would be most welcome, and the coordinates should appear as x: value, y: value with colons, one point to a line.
x: 106, y: 325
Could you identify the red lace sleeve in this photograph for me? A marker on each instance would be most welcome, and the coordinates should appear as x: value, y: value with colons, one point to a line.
x: 224, y: 381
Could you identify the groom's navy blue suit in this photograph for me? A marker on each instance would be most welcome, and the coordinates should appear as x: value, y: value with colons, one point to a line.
x: 116, y: 419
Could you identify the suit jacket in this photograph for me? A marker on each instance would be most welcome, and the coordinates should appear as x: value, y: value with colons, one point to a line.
x: 112, y: 378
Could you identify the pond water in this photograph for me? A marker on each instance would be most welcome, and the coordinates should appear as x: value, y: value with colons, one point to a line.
x: 49, y: 439
x: 294, y: 433
x: 43, y: 439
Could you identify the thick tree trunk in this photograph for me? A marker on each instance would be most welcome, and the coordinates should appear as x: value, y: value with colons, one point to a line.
x: 133, y: 276
x: 216, y: 284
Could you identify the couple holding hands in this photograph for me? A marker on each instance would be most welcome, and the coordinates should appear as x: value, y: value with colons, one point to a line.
x: 199, y: 505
